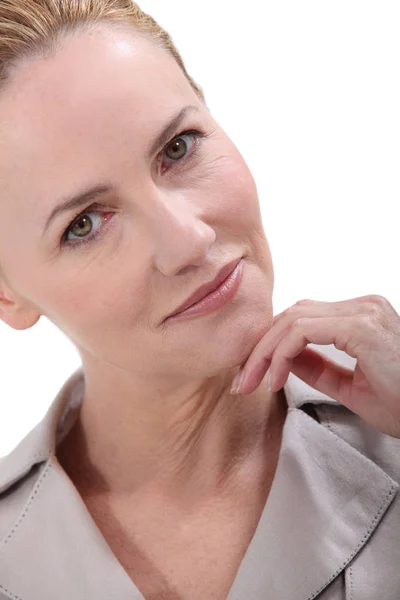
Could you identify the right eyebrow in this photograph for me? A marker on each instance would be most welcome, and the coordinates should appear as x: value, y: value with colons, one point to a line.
x: 77, y: 200
x: 85, y: 196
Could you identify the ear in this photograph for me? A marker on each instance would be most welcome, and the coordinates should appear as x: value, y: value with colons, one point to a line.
x: 15, y: 311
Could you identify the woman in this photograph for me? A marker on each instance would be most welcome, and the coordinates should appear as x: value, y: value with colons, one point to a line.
x: 148, y: 477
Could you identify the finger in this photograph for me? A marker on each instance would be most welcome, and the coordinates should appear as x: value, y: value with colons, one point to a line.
x: 319, y: 372
x: 331, y: 379
x: 302, y: 309
x: 315, y: 369
x: 276, y: 353
x: 259, y: 361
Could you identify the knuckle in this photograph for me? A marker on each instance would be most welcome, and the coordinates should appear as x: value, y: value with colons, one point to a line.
x: 365, y: 319
x: 377, y: 300
x: 382, y: 302
x: 377, y: 309
x: 301, y: 322
x: 373, y: 309
x: 382, y: 311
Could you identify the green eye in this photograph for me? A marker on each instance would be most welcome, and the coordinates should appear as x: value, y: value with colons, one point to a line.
x: 179, y: 154
x: 178, y: 147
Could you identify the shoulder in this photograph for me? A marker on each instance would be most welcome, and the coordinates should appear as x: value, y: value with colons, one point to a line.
x: 22, y: 468
x: 19, y: 471
x: 14, y: 500
x: 380, y: 448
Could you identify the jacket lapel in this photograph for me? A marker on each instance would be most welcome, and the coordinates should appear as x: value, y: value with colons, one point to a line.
x: 55, y: 549
x: 326, y: 501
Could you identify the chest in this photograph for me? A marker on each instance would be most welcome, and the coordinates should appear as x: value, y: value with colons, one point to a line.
x: 196, y: 557
x: 195, y: 571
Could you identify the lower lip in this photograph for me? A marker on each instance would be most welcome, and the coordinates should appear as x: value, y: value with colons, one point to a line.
x: 216, y: 299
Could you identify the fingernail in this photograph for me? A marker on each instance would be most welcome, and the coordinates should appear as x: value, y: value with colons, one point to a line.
x: 237, y: 382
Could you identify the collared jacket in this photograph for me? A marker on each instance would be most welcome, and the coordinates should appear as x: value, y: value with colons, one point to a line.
x: 330, y: 528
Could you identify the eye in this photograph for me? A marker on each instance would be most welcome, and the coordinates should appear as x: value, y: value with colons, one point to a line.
x: 82, y: 227
x: 178, y: 153
x: 177, y: 149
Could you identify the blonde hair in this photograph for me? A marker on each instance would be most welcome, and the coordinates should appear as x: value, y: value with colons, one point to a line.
x: 31, y: 28
x: 35, y: 28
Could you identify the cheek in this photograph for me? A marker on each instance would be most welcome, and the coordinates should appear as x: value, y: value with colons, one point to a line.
x: 233, y: 189
x: 235, y: 197
x: 117, y: 295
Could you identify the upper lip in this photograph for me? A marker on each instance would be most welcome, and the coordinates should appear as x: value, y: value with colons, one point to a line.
x: 206, y: 288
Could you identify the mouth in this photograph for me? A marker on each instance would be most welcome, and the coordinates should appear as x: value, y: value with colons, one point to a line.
x: 213, y: 295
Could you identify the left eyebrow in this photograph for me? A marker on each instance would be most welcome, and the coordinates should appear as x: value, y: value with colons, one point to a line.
x: 169, y: 130
x: 82, y: 197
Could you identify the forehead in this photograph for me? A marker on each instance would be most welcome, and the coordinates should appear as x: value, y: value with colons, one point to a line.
x: 103, y: 88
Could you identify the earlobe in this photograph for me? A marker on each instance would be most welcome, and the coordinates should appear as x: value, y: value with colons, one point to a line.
x: 19, y: 321
x: 15, y: 311
x: 15, y: 316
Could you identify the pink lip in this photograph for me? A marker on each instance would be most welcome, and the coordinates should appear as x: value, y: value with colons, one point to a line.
x: 217, y: 297
x: 206, y: 288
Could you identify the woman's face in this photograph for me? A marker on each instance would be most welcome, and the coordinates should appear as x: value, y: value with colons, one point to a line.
x: 171, y: 218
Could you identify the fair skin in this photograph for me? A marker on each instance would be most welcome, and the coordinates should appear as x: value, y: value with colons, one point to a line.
x: 158, y: 423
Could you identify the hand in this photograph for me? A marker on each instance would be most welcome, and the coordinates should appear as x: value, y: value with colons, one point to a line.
x: 367, y: 328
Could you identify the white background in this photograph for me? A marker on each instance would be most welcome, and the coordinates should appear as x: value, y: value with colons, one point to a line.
x: 309, y: 92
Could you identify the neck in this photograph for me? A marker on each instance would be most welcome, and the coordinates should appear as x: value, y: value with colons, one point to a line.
x: 186, y: 446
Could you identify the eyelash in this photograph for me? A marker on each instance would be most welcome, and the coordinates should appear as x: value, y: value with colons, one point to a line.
x: 198, y: 135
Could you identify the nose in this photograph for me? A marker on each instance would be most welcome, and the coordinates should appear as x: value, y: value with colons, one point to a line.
x: 181, y: 237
